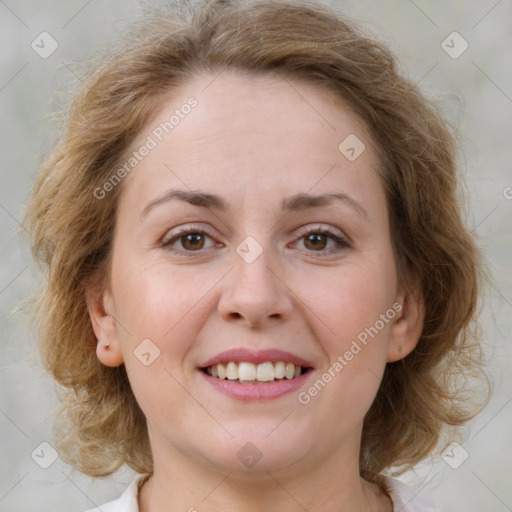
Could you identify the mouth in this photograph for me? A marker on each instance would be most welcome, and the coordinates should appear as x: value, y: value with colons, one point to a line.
x: 246, y: 372
x: 246, y: 375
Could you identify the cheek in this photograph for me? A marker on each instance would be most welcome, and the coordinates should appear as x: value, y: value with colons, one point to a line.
x: 158, y: 302
x: 349, y: 300
x: 353, y: 315
x: 163, y: 307
x: 357, y: 305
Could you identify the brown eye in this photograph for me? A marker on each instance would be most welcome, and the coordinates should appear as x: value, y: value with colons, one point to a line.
x: 315, y: 241
x: 322, y: 242
x: 188, y: 241
x: 192, y: 241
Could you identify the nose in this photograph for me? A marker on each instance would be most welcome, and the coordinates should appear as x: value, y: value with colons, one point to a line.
x: 254, y: 293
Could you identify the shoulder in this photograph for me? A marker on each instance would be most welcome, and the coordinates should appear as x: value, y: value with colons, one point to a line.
x: 127, y: 502
x: 405, y: 498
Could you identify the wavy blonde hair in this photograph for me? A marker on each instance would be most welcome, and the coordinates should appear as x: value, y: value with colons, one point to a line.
x: 102, y: 426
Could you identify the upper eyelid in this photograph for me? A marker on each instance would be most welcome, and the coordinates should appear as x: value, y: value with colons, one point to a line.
x: 303, y: 229
x: 321, y: 227
x: 328, y: 230
x: 182, y: 231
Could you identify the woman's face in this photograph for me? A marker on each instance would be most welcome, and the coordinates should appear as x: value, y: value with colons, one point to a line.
x: 253, y: 232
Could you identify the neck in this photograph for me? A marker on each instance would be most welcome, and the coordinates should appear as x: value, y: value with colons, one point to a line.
x: 329, y: 485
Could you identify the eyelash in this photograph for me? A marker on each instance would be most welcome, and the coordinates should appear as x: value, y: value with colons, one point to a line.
x: 342, y: 242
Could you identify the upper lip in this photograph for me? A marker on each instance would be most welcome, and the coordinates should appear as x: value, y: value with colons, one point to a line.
x: 256, y: 357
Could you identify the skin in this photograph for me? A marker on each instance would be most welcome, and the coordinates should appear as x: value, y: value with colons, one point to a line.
x: 254, y: 141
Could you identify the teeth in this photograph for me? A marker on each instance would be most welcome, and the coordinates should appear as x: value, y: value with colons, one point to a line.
x: 265, y: 372
x: 246, y: 372
x: 221, y: 369
x: 232, y: 371
x: 279, y: 370
x: 289, y: 370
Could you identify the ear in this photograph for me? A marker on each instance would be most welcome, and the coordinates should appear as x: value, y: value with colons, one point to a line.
x: 408, y: 324
x: 100, y: 308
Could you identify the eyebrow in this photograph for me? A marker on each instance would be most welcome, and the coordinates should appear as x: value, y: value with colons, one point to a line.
x: 296, y: 202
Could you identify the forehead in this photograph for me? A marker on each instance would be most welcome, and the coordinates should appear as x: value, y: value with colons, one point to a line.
x: 262, y: 134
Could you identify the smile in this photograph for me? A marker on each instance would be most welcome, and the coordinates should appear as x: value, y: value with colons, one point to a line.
x: 245, y: 372
x: 249, y: 375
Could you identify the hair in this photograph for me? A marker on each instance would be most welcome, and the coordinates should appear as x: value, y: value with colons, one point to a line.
x: 101, y: 426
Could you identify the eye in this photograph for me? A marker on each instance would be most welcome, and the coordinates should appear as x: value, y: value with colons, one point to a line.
x: 191, y: 239
x: 318, y: 240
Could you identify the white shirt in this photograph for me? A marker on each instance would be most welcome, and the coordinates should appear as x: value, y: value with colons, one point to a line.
x: 404, y: 499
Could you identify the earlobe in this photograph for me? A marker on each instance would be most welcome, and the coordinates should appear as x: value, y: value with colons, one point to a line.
x: 408, y: 325
x: 109, y: 355
x: 108, y: 349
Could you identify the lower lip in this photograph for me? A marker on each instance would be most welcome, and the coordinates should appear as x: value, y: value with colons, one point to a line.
x: 248, y: 392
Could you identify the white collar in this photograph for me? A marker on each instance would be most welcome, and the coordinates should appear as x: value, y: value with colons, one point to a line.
x: 404, y: 498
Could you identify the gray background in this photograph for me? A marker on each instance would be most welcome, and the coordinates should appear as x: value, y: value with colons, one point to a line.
x: 475, y: 91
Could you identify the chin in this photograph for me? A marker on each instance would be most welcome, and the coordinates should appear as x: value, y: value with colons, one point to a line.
x: 251, y: 455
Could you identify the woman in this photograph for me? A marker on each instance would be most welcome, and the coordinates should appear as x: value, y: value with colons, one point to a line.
x: 258, y: 274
